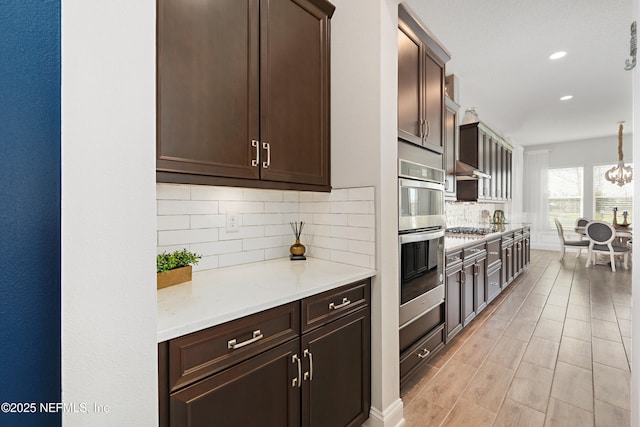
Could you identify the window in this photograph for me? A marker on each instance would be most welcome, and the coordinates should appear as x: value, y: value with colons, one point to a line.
x: 565, y: 196
x: 607, y: 195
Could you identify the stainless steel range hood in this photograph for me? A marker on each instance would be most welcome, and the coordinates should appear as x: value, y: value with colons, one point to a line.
x: 466, y: 172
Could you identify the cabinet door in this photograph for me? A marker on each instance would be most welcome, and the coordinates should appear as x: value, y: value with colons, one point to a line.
x: 410, y: 107
x: 468, y: 309
x: 207, y: 87
x: 480, y: 285
x: 294, y: 92
x: 258, y: 392
x: 493, y: 283
x: 508, y: 174
x: 336, y: 372
x: 434, y: 102
x: 450, y: 148
x: 453, y: 302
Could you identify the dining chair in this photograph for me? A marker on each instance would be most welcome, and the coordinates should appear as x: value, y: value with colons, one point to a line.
x: 601, y: 234
x: 581, y: 223
x: 569, y: 244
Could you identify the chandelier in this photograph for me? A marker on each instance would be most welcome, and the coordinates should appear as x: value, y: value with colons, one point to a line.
x: 619, y: 174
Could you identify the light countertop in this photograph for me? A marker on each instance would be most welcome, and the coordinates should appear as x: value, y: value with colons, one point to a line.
x: 220, y: 295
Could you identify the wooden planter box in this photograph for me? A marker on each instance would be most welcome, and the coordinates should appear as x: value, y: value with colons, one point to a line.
x: 174, y: 277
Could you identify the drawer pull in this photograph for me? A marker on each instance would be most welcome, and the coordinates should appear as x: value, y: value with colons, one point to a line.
x: 493, y: 253
x: 309, y: 375
x: 233, y: 344
x: 424, y: 353
x: 344, y: 303
x: 296, y: 381
x: 494, y: 284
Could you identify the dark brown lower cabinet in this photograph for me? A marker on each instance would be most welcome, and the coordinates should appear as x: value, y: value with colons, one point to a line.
x: 335, y: 385
x: 257, y: 392
x: 261, y: 370
x: 494, y: 279
x: 453, y: 300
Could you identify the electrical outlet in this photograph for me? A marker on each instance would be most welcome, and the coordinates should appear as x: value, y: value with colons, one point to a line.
x: 232, y: 220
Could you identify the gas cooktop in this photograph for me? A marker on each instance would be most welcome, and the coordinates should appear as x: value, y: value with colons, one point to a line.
x: 469, y: 230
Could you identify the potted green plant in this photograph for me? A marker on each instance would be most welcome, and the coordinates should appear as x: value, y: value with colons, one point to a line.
x: 175, y: 267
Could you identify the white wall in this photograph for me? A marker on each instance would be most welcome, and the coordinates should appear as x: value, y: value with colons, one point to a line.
x: 635, y: 342
x: 109, y: 355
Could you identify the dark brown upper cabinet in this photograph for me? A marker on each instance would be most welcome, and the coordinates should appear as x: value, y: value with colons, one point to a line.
x: 243, y: 93
x: 482, y: 148
x: 451, y: 147
x: 421, y: 62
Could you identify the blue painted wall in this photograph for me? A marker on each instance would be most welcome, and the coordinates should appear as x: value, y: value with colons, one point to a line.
x: 30, y: 207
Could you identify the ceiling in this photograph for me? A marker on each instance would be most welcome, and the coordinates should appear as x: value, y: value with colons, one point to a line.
x: 500, y: 54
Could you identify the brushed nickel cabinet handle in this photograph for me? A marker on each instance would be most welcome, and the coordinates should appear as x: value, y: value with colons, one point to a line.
x: 493, y: 253
x: 267, y: 146
x: 309, y: 375
x: 296, y: 381
x: 428, y: 130
x: 345, y: 302
x: 233, y: 344
x: 256, y: 145
x: 424, y: 353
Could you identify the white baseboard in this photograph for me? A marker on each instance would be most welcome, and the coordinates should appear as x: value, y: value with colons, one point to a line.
x: 390, y: 417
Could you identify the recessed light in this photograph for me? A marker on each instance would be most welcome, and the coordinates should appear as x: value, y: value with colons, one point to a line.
x: 558, y: 55
x: 566, y: 97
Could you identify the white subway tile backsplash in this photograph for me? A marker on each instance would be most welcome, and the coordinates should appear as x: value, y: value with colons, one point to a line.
x: 242, y: 233
x: 360, y: 247
x: 261, y: 243
x: 281, y: 207
x: 237, y: 258
x: 206, y: 263
x: 171, y: 248
x: 172, y: 192
x: 176, y: 237
x: 241, y: 207
x: 350, y: 258
x: 172, y: 222
x: 280, y: 252
x: 351, y: 207
x: 187, y: 207
x: 263, y: 195
x: 330, y: 243
x: 217, y: 248
x: 330, y: 219
x: 357, y: 220
x: 339, y: 226
x: 261, y: 219
x: 205, y: 192
x: 364, y: 193
x: 207, y: 221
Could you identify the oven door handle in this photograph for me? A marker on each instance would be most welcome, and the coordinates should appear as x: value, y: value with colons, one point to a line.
x: 421, y: 236
x: 432, y: 185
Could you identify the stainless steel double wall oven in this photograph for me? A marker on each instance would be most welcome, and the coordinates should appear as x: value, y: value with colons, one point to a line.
x: 421, y: 239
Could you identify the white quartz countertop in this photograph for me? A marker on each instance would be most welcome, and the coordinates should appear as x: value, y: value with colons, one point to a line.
x: 220, y: 295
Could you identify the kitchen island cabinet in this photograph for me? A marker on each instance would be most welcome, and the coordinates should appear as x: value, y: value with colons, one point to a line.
x: 243, y: 93
x: 305, y: 363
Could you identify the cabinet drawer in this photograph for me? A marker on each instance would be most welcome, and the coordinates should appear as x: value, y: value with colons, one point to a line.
x: 323, y: 308
x: 420, y: 352
x: 493, y: 251
x: 411, y: 333
x: 473, y: 251
x: 202, y: 353
x: 493, y: 283
x: 453, y: 258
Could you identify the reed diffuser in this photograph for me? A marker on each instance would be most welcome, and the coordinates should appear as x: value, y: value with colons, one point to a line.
x: 297, y: 249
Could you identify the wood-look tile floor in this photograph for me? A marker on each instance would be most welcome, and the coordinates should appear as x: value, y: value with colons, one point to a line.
x: 552, y: 350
